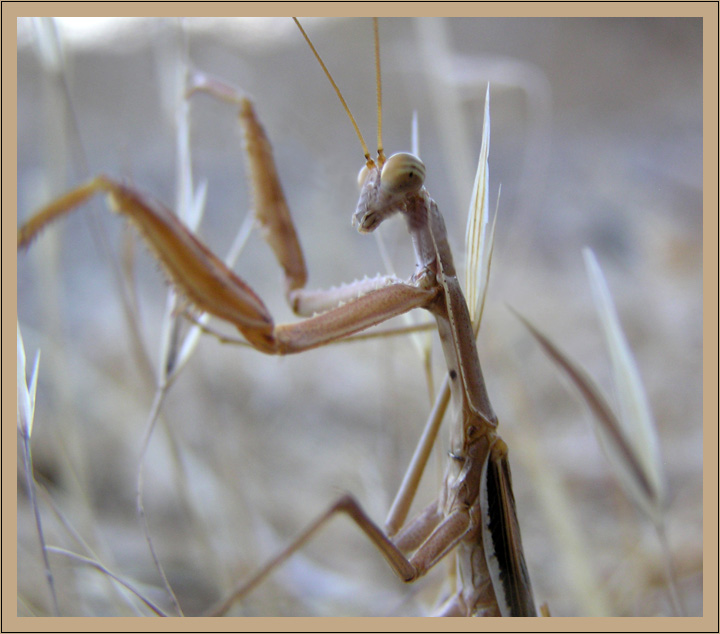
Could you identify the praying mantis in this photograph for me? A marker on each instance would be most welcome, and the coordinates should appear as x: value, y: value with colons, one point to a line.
x: 279, y: 438
x: 475, y: 513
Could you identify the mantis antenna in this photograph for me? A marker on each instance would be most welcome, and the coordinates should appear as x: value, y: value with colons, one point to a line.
x: 381, y: 154
x: 381, y: 151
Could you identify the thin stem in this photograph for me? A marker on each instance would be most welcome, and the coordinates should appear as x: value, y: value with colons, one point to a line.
x: 30, y: 479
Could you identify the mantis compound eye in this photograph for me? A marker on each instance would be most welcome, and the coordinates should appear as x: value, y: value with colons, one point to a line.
x: 362, y: 175
x: 402, y: 173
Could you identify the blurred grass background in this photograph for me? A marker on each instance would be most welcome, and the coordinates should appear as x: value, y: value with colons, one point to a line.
x: 596, y: 140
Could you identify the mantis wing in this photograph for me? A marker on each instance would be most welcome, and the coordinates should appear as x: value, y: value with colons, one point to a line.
x: 501, y: 536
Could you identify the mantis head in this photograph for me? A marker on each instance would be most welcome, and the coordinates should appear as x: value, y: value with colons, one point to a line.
x: 386, y: 187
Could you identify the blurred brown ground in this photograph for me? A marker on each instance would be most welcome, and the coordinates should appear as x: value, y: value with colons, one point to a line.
x: 596, y: 140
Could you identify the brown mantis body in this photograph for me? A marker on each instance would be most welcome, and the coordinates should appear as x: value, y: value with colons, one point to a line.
x: 475, y: 512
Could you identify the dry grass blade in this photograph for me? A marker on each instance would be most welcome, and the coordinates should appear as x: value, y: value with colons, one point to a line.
x: 629, y: 441
x: 635, y: 416
x: 609, y: 430
x: 174, y: 354
x: 26, y: 393
x: 189, y: 202
x: 475, y: 257
x: 25, y: 415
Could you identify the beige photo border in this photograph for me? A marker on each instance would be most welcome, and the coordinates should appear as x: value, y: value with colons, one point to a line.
x: 707, y: 10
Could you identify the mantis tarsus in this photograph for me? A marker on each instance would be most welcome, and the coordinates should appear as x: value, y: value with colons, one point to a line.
x: 474, y: 515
